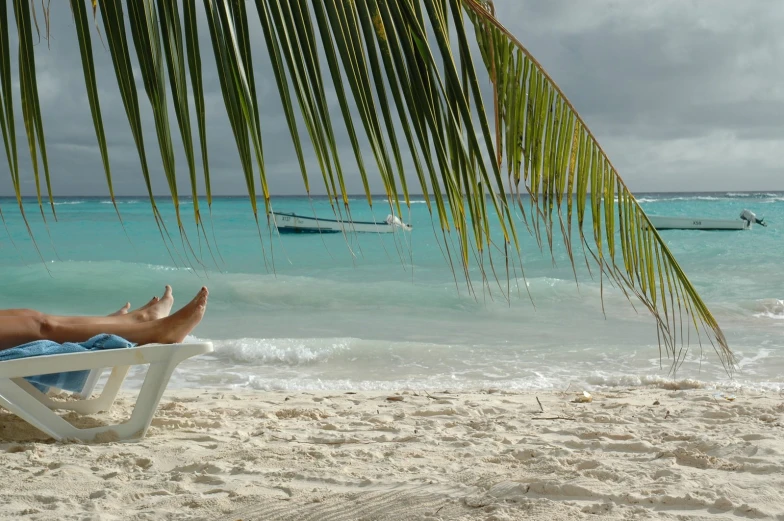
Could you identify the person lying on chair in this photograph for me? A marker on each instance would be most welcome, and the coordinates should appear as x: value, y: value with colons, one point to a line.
x: 149, y: 324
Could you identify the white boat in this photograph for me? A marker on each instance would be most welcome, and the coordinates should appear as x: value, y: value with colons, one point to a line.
x: 293, y: 223
x: 689, y: 223
x: 745, y: 221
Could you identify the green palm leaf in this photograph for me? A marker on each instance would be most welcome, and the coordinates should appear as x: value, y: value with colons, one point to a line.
x: 395, y: 66
x: 560, y: 147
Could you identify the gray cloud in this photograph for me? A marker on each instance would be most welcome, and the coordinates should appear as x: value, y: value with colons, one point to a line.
x: 682, y: 96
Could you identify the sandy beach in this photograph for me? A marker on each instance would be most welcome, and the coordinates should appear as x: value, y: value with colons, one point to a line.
x: 650, y: 453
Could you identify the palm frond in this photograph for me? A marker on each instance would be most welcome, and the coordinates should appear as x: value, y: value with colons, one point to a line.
x: 31, y: 110
x: 394, y: 66
x: 88, y: 66
x: 554, y: 155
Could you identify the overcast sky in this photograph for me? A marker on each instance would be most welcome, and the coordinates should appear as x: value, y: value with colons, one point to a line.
x: 684, y: 95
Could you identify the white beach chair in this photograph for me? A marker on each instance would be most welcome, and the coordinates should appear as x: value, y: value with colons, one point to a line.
x: 22, y: 398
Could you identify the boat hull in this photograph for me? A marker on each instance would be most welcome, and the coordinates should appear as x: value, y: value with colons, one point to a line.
x: 292, y: 223
x: 689, y: 223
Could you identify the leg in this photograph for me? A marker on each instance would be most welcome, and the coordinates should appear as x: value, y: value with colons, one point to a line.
x: 17, y: 312
x: 17, y: 330
x: 23, y: 312
x: 156, y: 308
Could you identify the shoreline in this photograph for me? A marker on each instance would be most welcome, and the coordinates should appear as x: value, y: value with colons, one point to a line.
x: 492, y: 455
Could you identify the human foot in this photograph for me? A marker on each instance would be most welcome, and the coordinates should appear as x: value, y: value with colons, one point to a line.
x: 125, y: 309
x: 176, y: 327
x: 122, y: 311
x: 152, y: 301
x: 156, y: 308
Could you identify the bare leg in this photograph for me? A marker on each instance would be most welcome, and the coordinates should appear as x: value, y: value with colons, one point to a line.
x: 154, y: 309
x: 17, y: 312
x: 31, y: 312
x: 172, y: 329
x: 22, y: 312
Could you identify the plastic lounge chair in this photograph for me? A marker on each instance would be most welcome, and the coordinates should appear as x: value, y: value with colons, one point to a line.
x: 23, y: 399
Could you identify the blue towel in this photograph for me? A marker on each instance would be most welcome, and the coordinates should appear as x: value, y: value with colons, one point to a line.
x: 71, y: 381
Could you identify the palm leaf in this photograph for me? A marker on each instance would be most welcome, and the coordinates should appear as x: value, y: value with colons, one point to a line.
x: 644, y: 264
x: 31, y: 110
x: 88, y: 66
x: 114, y: 31
x: 394, y: 65
x: 194, y: 68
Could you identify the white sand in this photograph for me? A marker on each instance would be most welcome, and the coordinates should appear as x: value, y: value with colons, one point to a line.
x: 339, y: 456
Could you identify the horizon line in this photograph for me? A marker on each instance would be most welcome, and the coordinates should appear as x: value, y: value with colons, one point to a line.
x: 362, y: 195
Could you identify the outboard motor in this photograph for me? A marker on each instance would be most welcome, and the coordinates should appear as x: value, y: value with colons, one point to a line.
x: 750, y: 218
x: 394, y: 220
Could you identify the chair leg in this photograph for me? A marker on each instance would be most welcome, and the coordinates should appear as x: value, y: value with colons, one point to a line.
x: 24, y: 400
x: 30, y: 409
x: 33, y: 409
x: 150, y: 394
x: 105, y: 400
x: 89, y: 384
x: 86, y: 406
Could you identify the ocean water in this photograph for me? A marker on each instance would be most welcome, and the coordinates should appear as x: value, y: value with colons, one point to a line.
x: 388, y: 312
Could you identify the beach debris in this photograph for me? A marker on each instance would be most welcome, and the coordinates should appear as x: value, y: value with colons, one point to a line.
x: 728, y: 397
x: 667, y: 415
x: 553, y: 418
x: 540, y: 404
x: 656, y: 402
x: 583, y: 398
x: 394, y: 398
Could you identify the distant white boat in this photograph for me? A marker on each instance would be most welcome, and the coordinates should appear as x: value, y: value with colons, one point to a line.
x: 745, y: 221
x: 293, y: 223
x: 688, y: 223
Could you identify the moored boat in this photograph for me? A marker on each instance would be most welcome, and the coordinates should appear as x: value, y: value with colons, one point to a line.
x: 745, y: 221
x: 293, y: 223
x: 689, y: 223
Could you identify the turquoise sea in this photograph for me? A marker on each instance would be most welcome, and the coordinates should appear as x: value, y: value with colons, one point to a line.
x: 384, y: 312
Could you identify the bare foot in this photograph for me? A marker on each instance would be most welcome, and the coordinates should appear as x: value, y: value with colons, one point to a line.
x: 176, y: 327
x: 156, y: 308
x: 122, y: 311
x: 150, y: 303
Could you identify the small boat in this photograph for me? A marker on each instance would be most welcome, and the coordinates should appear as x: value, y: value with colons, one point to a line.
x: 293, y: 223
x: 688, y: 223
x: 746, y: 220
